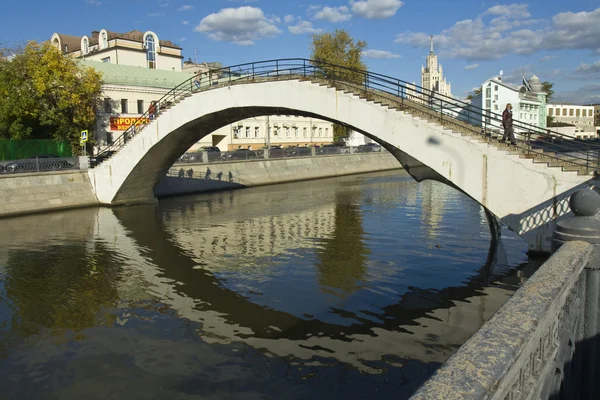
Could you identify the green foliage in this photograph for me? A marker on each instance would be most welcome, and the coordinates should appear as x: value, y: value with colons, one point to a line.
x: 476, y: 92
x: 46, y: 95
x: 549, y: 120
x: 339, y: 49
x: 547, y: 87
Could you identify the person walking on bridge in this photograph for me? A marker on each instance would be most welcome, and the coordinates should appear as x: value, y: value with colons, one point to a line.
x: 507, y: 124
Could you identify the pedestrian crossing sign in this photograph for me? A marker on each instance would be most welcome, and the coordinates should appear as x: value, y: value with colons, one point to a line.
x: 84, y: 136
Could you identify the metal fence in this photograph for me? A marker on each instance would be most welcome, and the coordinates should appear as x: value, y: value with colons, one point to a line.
x: 17, y: 149
x: 39, y: 164
x: 274, y: 153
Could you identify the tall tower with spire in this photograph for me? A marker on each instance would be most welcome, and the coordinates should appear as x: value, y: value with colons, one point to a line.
x: 432, y: 75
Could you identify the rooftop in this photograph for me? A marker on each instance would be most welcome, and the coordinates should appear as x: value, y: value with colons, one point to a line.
x: 137, y: 76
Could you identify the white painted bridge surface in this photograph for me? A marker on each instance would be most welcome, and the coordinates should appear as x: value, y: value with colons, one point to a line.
x: 527, y: 197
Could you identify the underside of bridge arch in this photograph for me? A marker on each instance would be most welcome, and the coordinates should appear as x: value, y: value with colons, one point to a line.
x: 528, y: 197
x: 160, y: 157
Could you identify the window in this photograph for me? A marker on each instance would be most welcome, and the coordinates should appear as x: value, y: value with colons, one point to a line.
x: 104, y: 40
x: 151, y: 52
x: 495, y: 107
x: 236, y: 132
x: 124, y: 108
x: 577, y: 112
x: 520, y: 115
x: 496, y: 97
x: 247, y: 131
x: 86, y: 46
x: 488, y: 92
x: 584, y: 113
x: 140, y: 106
x: 488, y: 103
x: 564, y: 112
x: 107, y: 105
x: 570, y: 112
x: 256, y: 131
x: 551, y: 111
x: 109, y: 138
x: 326, y: 132
x: 304, y: 132
x: 287, y: 131
x: 496, y: 88
x: 106, y: 59
x: 295, y: 131
x: 320, y: 132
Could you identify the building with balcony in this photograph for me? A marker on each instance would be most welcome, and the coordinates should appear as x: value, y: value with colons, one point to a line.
x: 134, y: 48
x: 528, y: 101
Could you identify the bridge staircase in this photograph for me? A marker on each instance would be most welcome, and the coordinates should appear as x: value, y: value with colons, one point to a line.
x: 541, y: 146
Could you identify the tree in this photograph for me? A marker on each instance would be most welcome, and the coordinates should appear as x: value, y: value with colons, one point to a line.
x: 476, y: 92
x: 339, y: 48
x: 547, y: 88
x: 46, y: 95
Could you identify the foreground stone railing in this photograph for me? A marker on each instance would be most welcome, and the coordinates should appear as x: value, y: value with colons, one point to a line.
x: 544, y: 343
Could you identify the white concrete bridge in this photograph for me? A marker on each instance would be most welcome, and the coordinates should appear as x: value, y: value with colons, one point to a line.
x: 526, y: 189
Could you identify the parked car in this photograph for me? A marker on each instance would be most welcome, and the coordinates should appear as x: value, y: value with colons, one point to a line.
x: 275, y: 151
x: 98, y: 158
x: 368, y: 147
x: 241, y: 154
x: 43, y: 162
x: 297, y: 151
x: 210, y: 153
x: 333, y: 148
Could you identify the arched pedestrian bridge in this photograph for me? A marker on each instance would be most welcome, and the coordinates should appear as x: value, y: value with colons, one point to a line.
x: 434, y: 137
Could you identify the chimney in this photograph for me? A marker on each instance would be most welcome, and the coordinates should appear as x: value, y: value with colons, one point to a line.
x: 95, y: 34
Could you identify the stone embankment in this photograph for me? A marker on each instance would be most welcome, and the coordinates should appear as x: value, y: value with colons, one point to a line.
x: 48, y: 191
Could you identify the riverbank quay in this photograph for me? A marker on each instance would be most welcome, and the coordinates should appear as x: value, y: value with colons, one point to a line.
x: 544, y: 343
x: 36, y: 192
x: 192, y: 178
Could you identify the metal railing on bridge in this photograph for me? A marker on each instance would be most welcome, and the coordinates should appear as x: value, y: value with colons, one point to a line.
x: 536, y: 141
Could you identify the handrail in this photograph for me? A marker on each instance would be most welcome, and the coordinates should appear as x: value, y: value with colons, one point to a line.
x: 444, y: 107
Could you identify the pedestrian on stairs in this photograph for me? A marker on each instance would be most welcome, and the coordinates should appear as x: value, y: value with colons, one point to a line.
x: 507, y: 123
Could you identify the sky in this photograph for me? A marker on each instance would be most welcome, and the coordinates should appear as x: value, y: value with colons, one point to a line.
x: 559, y: 41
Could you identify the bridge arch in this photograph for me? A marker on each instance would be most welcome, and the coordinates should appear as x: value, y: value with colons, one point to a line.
x: 527, y: 196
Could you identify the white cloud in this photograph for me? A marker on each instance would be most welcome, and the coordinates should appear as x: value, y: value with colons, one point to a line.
x: 547, y: 58
x: 241, y: 25
x: 588, y: 94
x: 94, y: 2
x: 509, y: 31
x: 588, y: 70
x: 381, y: 54
x: 156, y: 14
x: 303, y: 27
x: 375, y: 9
x: 185, y: 22
x: 471, y: 66
x: 331, y: 14
x: 289, y: 18
x: 185, y: 7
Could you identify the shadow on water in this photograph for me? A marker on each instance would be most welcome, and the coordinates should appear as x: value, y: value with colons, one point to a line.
x: 96, y: 332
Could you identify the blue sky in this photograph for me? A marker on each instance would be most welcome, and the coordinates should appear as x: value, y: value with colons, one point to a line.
x: 557, y: 40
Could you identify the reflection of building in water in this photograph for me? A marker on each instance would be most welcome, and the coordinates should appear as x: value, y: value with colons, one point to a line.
x: 433, y: 196
x: 260, y: 236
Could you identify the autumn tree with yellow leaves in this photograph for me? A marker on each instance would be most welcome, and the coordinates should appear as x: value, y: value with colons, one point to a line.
x: 46, y: 95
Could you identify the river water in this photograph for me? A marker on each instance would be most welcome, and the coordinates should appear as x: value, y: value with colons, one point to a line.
x: 333, y: 289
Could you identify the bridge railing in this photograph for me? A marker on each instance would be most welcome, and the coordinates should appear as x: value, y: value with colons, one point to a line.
x: 537, y: 140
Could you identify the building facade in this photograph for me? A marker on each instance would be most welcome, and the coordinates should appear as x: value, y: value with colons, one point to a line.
x: 432, y: 75
x: 528, y: 101
x: 134, y: 48
x: 580, y: 116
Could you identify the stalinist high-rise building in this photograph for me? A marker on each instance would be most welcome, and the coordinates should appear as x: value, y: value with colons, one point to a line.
x: 432, y: 76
